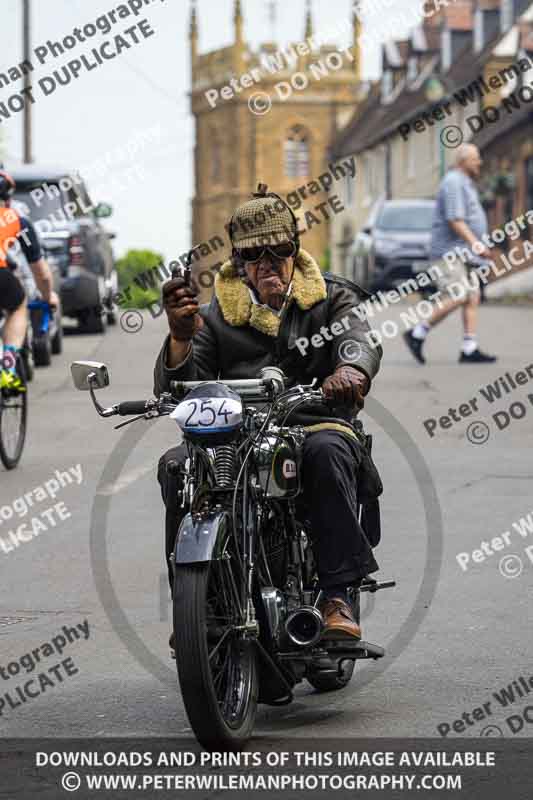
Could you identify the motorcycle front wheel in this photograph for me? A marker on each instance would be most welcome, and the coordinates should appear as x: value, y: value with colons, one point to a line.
x: 216, y: 661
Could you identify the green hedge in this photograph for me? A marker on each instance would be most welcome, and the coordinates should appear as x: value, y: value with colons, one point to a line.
x: 139, y: 263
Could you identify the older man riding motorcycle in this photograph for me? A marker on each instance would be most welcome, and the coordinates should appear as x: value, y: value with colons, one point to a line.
x: 269, y: 295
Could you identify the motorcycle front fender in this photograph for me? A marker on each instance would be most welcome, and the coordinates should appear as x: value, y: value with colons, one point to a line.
x: 202, y: 539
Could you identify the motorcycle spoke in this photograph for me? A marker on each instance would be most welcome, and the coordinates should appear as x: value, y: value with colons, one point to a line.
x: 221, y: 673
x: 225, y: 653
x: 222, y: 639
x: 227, y: 595
x: 235, y: 592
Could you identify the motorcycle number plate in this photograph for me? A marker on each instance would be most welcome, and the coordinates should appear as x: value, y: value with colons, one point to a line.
x: 208, y: 414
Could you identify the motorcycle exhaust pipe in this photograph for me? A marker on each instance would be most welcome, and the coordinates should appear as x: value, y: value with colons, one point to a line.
x: 304, y: 626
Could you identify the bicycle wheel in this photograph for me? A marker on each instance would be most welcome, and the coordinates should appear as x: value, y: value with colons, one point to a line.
x: 13, y: 418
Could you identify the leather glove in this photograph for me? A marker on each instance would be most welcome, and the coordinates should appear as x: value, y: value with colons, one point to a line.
x: 346, y: 387
x: 181, y: 306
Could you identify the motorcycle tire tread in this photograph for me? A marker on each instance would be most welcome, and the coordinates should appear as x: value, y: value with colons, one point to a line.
x: 209, y: 727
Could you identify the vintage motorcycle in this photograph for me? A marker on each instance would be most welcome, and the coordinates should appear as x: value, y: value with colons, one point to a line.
x: 247, y: 623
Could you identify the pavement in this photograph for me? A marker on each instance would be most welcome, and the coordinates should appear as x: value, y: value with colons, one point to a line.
x: 455, y: 637
x: 519, y: 283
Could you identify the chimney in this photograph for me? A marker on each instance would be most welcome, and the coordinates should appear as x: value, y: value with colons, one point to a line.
x: 435, y: 20
x: 423, y: 46
x: 486, y: 23
x: 456, y: 31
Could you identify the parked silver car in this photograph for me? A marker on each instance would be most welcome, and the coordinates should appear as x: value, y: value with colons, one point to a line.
x: 394, y: 244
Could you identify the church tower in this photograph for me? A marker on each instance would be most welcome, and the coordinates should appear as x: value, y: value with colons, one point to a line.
x: 268, y: 116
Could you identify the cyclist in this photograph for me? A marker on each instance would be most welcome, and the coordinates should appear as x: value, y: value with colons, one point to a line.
x: 18, y: 232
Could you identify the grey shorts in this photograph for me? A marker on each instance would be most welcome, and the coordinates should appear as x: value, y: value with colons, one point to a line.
x: 457, y: 279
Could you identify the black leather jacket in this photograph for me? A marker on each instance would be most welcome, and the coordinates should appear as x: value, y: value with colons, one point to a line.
x: 229, y: 351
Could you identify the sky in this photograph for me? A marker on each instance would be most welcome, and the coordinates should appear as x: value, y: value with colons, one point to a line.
x: 127, y: 123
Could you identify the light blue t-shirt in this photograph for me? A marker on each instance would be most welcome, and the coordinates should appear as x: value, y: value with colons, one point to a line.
x: 457, y: 198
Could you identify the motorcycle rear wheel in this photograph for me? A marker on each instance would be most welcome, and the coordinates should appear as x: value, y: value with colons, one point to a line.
x: 217, y: 666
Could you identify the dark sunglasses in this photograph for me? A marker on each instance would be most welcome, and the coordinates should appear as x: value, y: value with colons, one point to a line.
x: 279, y: 251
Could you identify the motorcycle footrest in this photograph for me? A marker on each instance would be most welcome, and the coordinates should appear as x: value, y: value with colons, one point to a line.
x: 346, y: 649
x: 370, y: 585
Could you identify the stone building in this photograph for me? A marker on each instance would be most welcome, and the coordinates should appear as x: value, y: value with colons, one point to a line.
x: 268, y: 116
x: 463, y: 56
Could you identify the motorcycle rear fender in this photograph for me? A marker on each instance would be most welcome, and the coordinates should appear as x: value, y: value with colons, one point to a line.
x: 198, y: 540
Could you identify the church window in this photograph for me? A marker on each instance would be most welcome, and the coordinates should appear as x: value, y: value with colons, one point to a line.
x: 297, y: 153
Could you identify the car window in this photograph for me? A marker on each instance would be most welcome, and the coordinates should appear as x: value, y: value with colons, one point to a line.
x: 36, y: 206
x: 50, y: 199
x: 405, y: 218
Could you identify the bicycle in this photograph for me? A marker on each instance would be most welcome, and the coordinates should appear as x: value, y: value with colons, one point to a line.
x: 13, y: 419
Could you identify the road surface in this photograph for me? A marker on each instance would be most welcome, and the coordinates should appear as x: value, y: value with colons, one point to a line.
x: 454, y: 634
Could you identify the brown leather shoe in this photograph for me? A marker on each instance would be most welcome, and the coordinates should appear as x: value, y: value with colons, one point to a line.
x: 339, y: 622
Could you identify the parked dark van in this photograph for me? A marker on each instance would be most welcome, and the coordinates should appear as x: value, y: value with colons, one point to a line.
x: 58, y: 202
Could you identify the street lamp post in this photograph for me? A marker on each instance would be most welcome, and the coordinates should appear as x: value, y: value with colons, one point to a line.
x: 26, y: 45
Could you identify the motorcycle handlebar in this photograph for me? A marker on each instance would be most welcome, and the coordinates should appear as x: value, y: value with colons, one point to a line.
x: 245, y: 386
x: 271, y: 382
x: 249, y: 389
x: 132, y: 407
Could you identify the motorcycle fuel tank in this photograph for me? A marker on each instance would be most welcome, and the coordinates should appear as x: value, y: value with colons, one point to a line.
x: 278, y: 466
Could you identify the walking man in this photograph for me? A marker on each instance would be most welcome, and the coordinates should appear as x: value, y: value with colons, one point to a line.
x: 459, y: 225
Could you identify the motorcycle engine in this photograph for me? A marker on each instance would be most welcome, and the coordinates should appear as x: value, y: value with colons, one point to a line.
x: 275, y: 545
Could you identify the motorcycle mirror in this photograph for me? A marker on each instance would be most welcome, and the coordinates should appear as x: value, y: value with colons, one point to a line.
x: 89, y: 375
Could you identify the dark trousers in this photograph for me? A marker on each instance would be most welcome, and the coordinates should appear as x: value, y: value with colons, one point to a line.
x: 330, y: 464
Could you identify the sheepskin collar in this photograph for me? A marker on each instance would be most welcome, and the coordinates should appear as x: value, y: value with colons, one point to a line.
x: 308, y: 288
